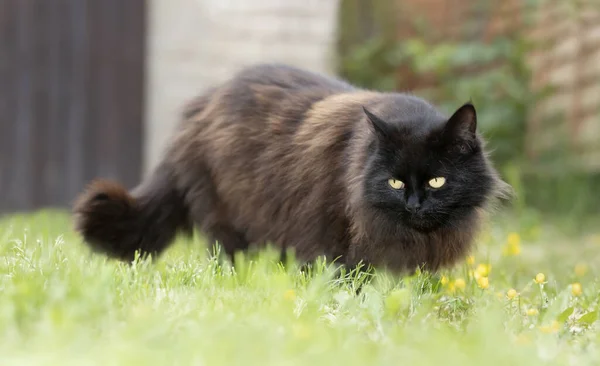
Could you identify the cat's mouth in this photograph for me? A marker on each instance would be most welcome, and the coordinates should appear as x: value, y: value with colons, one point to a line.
x: 422, y: 223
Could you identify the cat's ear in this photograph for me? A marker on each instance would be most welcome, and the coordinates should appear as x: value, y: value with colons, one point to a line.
x: 381, y: 128
x: 463, y: 123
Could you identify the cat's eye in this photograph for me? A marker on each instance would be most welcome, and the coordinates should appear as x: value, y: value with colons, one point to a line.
x: 437, y: 182
x: 395, y: 183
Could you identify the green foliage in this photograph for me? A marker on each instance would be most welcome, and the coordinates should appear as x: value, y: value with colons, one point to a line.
x: 501, y: 92
x: 62, y: 305
x: 566, y: 193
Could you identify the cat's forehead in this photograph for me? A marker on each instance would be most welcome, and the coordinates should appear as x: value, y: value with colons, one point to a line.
x: 417, y: 155
x: 421, y: 142
x: 417, y: 150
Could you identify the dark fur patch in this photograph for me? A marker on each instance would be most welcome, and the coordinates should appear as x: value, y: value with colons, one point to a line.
x: 117, y: 223
x: 104, y: 213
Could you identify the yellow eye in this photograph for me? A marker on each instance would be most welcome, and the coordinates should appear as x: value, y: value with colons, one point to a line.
x: 437, y: 182
x: 396, y: 184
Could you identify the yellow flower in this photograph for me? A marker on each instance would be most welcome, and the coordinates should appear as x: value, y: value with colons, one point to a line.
x: 460, y: 284
x: 552, y: 328
x: 555, y: 325
x: 540, y: 278
x: 511, y: 294
x: 470, y: 260
x: 522, y: 339
x: 444, y: 280
x: 483, y: 282
x: 532, y: 312
x: 576, y: 289
x: 483, y: 270
x: 511, y: 250
x: 290, y: 295
x: 514, y: 239
x: 513, y: 245
x: 451, y: 287
x: 581, y: 269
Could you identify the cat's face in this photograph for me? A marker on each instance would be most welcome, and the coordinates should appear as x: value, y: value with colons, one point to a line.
x: 427, y: 171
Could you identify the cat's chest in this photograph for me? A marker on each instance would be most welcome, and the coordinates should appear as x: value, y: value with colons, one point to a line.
x: 406, y: 251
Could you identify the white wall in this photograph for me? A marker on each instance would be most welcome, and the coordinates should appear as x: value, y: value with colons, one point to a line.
x: 195, y: 43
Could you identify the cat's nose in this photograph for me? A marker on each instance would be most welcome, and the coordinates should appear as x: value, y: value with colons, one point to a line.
x: 413, y: 207
x: 413, y: 204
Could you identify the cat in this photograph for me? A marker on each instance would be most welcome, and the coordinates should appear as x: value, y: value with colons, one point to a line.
x: 288, y: 157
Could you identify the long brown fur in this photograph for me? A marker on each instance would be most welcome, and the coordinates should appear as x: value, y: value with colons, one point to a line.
x: 275, y: 155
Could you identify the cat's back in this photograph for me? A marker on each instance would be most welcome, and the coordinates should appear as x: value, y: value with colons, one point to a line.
x: 264, y: 88
x: 260, y: 108
x: 271, y: 139
x: 290, y: 78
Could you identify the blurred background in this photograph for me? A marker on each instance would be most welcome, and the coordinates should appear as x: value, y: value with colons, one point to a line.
x: 93, y: 88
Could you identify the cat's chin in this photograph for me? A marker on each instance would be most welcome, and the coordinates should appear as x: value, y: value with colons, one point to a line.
x: 422, y: 225
x: 417, y: 222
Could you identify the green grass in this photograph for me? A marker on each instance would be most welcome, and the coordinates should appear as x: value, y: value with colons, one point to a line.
x: 61, y: 305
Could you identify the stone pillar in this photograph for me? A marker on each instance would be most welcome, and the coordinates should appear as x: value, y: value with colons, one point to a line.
x: 193, y: 44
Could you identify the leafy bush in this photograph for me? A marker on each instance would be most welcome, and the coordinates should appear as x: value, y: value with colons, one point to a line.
x: 494, y: 76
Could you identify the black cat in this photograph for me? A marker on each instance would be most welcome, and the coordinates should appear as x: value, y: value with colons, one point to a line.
x: 284, y: 156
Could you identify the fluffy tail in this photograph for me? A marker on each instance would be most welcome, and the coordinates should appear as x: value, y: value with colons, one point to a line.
x: 117, y: 223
